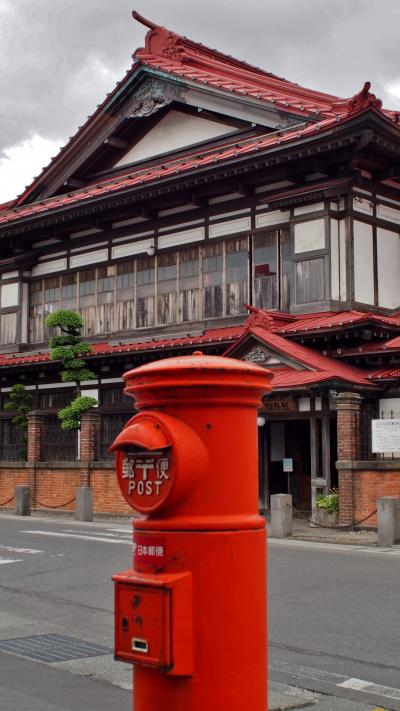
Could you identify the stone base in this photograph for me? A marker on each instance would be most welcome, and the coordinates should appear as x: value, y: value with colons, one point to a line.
x: 323, y: 518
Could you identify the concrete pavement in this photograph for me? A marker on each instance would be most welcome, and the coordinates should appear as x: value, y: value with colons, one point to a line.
x: 282, y: 697
x: 302, y: 531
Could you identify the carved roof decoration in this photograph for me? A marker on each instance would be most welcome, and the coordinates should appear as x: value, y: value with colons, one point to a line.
x: 258, y: 318
x: 361, y: 101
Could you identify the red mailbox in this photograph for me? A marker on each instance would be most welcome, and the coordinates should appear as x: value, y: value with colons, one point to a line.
x: 191, y: 613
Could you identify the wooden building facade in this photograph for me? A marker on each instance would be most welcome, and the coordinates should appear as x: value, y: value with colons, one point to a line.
x: 207, y: 203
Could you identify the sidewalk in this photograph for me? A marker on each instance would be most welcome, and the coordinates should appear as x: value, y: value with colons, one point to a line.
x: 290, y: 698
x: 302, y: 531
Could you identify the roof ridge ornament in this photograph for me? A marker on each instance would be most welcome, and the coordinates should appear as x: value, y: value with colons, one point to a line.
x: 258, y: 318
x: 143, y: 20
x: 364, y: 99
x: 159, y: 41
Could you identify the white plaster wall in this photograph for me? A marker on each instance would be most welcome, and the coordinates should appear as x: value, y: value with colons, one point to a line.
x: 174, y: 131
x: 388, y: 247
x: 9, y: 295
x: 363, y: 263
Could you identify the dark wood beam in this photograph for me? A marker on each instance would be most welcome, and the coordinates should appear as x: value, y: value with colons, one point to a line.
x: 73, y: 183
x: 115, y: 142
x: 244, y: 189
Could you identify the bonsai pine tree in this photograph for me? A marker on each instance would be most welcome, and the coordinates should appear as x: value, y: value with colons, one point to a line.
x: 70, y: 349
x: 20, y: 402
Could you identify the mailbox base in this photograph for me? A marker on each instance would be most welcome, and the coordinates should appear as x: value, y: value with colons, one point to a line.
x: 228, y: 570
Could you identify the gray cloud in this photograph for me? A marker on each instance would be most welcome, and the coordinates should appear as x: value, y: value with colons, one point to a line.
x: 58, y: 58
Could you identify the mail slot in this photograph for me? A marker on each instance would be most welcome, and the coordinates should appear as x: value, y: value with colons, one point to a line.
x: 159, y: 460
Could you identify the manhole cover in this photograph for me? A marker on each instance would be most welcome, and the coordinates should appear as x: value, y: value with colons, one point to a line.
x: 52, y: 648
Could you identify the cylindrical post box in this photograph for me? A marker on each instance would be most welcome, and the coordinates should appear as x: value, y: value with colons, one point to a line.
x: 191, y: 613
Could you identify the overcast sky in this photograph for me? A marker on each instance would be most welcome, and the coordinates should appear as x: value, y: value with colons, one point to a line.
x: 60, y: 57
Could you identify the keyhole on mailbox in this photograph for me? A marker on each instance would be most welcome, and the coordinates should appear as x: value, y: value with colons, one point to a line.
x: 125, y: 624
x: 136, y: 600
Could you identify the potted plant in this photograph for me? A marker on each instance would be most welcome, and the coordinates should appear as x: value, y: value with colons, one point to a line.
x: 326, y: 511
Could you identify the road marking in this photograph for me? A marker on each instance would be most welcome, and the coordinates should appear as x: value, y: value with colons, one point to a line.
x: 109, y: 535
x: 307, y: 672
x: 388, y: 692
x: 335, y: 547
x: 339, y: 680
x: 99, y: 539
x: 10, y: 549
x: 4, y: 561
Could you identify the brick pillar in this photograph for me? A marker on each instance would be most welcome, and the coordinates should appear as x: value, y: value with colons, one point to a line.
x: 348, y: 407
x: 89, y: 442
x: 36, y: 434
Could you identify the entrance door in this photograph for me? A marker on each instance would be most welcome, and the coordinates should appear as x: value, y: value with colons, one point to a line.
x: 289, y: 440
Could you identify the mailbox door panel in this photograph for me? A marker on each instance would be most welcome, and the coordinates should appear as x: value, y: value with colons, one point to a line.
x: 143, y: 625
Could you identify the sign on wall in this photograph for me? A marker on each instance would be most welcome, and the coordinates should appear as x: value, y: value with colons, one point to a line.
x: 286, y: 403
x: 287, y: 464
x: 385, y: 436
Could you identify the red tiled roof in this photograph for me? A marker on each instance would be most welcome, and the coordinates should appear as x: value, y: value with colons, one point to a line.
x: 210, y: 336
x: 262, y: 326
x: 338, y: 321
x: 176, y: 56
x: 327, y: 368
x: 284, y: 377
x: 166, y: 169
x: 173, y: 54
x: 392, y: 373
x: 392, y: 344
x: 370, y: 348
x: 312, y: 359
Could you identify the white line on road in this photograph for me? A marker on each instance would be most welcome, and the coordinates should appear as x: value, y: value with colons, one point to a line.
x: 99, y: 539
x: 339, y: 680
x: 4, y: 561
x: 109, y: 535
x: 334, y: 547
x: 369, y: 687
x: 10, y: 549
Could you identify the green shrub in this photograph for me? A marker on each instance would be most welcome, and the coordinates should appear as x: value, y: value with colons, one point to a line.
x: 70, y: 350
x: 329, y: 502
x: 70, y: 416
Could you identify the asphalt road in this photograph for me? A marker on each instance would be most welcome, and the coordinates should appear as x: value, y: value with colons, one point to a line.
x: 334, y: 624
x: 334, y: 621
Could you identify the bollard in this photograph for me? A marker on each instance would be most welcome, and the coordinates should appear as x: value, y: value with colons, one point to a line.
x: 84, y: 504
x: 191, y: 612
x: 388, y: 521
x: 22, y: 501
x: 281, y: 515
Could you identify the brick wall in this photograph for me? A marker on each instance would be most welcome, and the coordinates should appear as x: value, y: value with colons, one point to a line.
x: 107, y: 497
x: 368, y: 487
x: 361, y: 484
x: 53, y: 487
x: 9, y: 479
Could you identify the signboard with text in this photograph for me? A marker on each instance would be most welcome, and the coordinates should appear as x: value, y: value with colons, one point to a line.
x: 385, y: 436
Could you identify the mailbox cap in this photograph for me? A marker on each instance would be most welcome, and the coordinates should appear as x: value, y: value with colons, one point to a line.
x: 197, y: 377
x: 195, y: 362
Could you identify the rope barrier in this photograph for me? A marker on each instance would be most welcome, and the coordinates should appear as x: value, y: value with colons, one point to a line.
x: 4, y: 503
x: 49, y: 506
x: 338, y: 528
